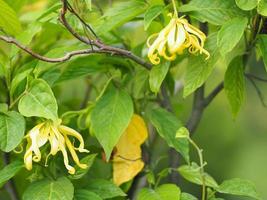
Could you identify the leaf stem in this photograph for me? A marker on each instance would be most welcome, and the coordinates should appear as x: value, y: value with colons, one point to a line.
x: 12, y: 104
x: 199, y: 151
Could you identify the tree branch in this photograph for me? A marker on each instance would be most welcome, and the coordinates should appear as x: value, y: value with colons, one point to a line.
x: 213, y: 94
x: 197, y: 110
x: 97, y: 42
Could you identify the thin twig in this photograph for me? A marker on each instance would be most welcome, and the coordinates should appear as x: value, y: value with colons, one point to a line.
x: 213, y: 94
x: 260, y: 95
x: 98, y: 43
x: 255, y: 77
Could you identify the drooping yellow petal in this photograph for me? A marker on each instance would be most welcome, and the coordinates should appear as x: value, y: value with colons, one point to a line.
x: 74, y: 155
x: 127, y: 162
x: 34, y: 136
x: 28, y: 155
x: 62, y: 148
x: 69, y: 131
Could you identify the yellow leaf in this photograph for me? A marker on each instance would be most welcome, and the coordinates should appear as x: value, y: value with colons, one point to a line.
x: 127, y: 160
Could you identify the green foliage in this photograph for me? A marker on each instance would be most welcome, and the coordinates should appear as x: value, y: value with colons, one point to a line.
x: 239, y: 187
x: 121, y: 13
x: 42, y: 100
x: 232, y: 31
x: 192, y: 173
x: 152, y: 13
x: 186, y: 196
x: 60, y: 189
x: 10, y: 171
x: 246, y: 4
x: 89, y: 160
x: 216, y: 12
x: 12, y: 127
x: 157, y: 76
x: 110, y: 117
x: 262, y: 42
x: 199, y: 69
x: 163, y: 192
x: 234, y: 84
x: 86, y: 195
x: 105, y: 189
x: 9, y: 21
x: 167, y: 125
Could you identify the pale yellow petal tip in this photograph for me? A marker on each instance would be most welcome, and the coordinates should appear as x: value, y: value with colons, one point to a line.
x: 174, y: 38
x: 71, y: 171
x: 57, y: 135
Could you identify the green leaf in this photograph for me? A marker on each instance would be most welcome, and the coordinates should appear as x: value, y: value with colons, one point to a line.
x: 199, y: 69
x: 157, y: 76
x: 216, y: 12
x: 192, y: 174
x: 246, y: 4
x: 152, y: 13
x: 9, y: 171
x: 39, y: 101
x: 86, y: 195
x: 163, y: 192
x: 262, y: 7
x: 262, y: 43
x: 12, y: 127
x: 9, y: 21
x: 239, y: 187
x: 26, y: 37
x: 186, y: 196
x: 18, y: 79
x: 89, y: 160
x: 105, y: 189
x: 182, y: 132
x: 147, y: 194
x: 120, y: 13
x: 42, y: 66
x: 140, y: 83
x: 234, y: 84
x: 61, y: 189
x: 110, y: 117
x: 168, y: 191
x: 3, y: 108
x: 231, y: 33
x: 167, y: 125
x: 82, y: 67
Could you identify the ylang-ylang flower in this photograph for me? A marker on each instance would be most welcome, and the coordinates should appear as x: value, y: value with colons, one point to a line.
x: 58, y: 136
x: 177, y: 36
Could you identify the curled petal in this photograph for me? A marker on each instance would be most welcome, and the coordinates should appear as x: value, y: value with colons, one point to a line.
x: 73, y: 154
x: 193, y: 30
x: 62, y: 148
x: 150, y: 38
x: 69, y: 131
x: 28, y: 155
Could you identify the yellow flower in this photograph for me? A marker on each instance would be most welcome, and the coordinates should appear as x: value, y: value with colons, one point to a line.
x: 58, y: 137
x: 174, y: 38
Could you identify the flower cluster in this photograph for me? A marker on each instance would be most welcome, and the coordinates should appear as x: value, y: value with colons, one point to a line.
x: 58, y: 137
x: 174, y: 38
